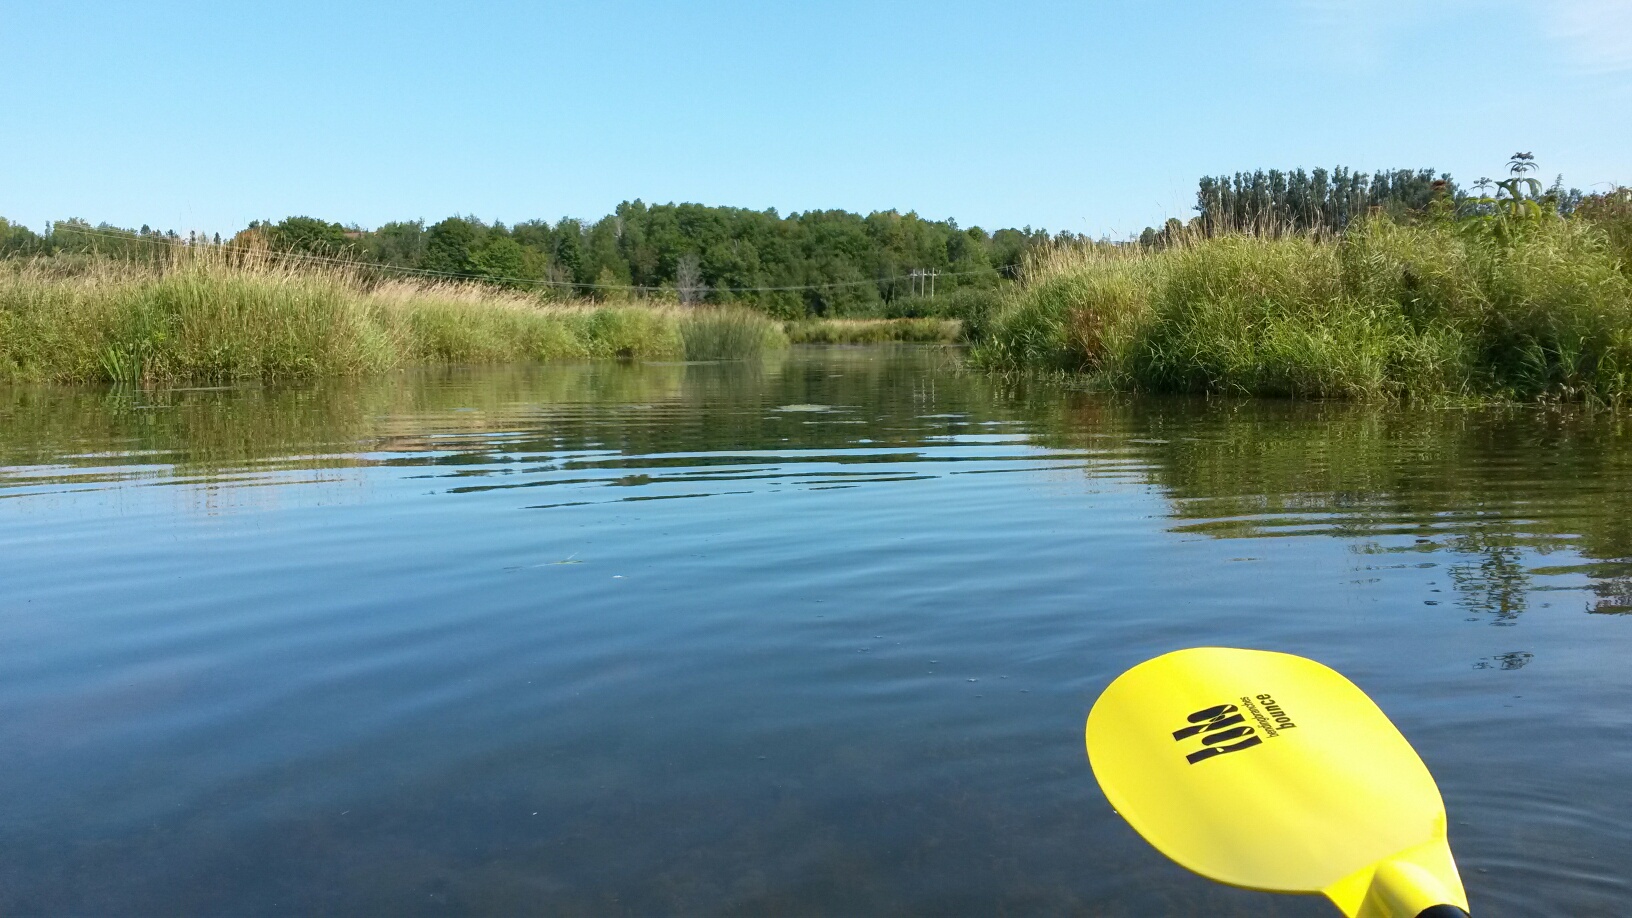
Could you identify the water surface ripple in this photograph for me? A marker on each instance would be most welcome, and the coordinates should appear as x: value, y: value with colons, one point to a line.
x: 809, y: 636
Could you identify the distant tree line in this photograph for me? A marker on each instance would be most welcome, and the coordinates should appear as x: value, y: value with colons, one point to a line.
x: 1325, y: 201
x: 1316, y: 200
x: 816, y: 263
x: 77, y: 236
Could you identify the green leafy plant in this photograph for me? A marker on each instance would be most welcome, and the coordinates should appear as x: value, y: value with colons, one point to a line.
x: 1517, y: 204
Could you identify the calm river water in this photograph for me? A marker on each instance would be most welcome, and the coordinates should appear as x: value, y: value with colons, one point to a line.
x: 813, y: 636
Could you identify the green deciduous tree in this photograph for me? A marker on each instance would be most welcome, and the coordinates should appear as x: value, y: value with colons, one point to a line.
x: 309, y: 235
x: 450, y: 248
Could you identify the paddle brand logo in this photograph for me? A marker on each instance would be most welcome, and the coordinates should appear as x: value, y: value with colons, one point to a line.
x: 1271, y: 718
x: 1222, y: 729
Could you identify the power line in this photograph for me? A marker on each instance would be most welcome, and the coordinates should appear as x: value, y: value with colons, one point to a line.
x: 451, y: 275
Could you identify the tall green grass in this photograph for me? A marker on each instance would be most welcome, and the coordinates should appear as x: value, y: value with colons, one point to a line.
x: 1390, y: 310
x: 210, y: 317
x: 727, y: 334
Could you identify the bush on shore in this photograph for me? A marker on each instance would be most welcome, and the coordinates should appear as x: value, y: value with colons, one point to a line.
x: 212, y: 317
x: 1431, y: 309
x: 973, y: 307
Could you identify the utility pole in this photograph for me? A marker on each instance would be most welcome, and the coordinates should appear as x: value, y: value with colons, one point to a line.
x: 923, y: 281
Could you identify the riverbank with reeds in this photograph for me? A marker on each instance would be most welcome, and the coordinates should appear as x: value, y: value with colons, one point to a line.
x: 1432, y: 309
x: 874, y: 331
x: 215, y: 318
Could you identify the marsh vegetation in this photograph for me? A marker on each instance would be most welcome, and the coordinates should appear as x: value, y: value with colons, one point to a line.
x: 1499, y: 297
x: 875, y: 331
x: 208, y: 315
x: 1325, y: 284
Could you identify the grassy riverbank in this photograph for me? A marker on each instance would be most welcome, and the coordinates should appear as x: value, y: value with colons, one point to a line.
x: 874, y: 331
x: 1430, y: 310
x: 211, y: 318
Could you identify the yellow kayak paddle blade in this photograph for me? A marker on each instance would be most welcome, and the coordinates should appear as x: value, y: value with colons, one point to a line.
x: 1269, y: 771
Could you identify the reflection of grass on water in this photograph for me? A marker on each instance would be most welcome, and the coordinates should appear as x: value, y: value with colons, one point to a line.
x: 314, y: 424
x: 210, y: 316
x: 625, y: 406
x: 1478, y: 491
x: 1485, y: 486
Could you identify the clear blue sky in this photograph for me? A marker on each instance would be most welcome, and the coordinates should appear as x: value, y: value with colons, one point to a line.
x: 1092, y: 117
